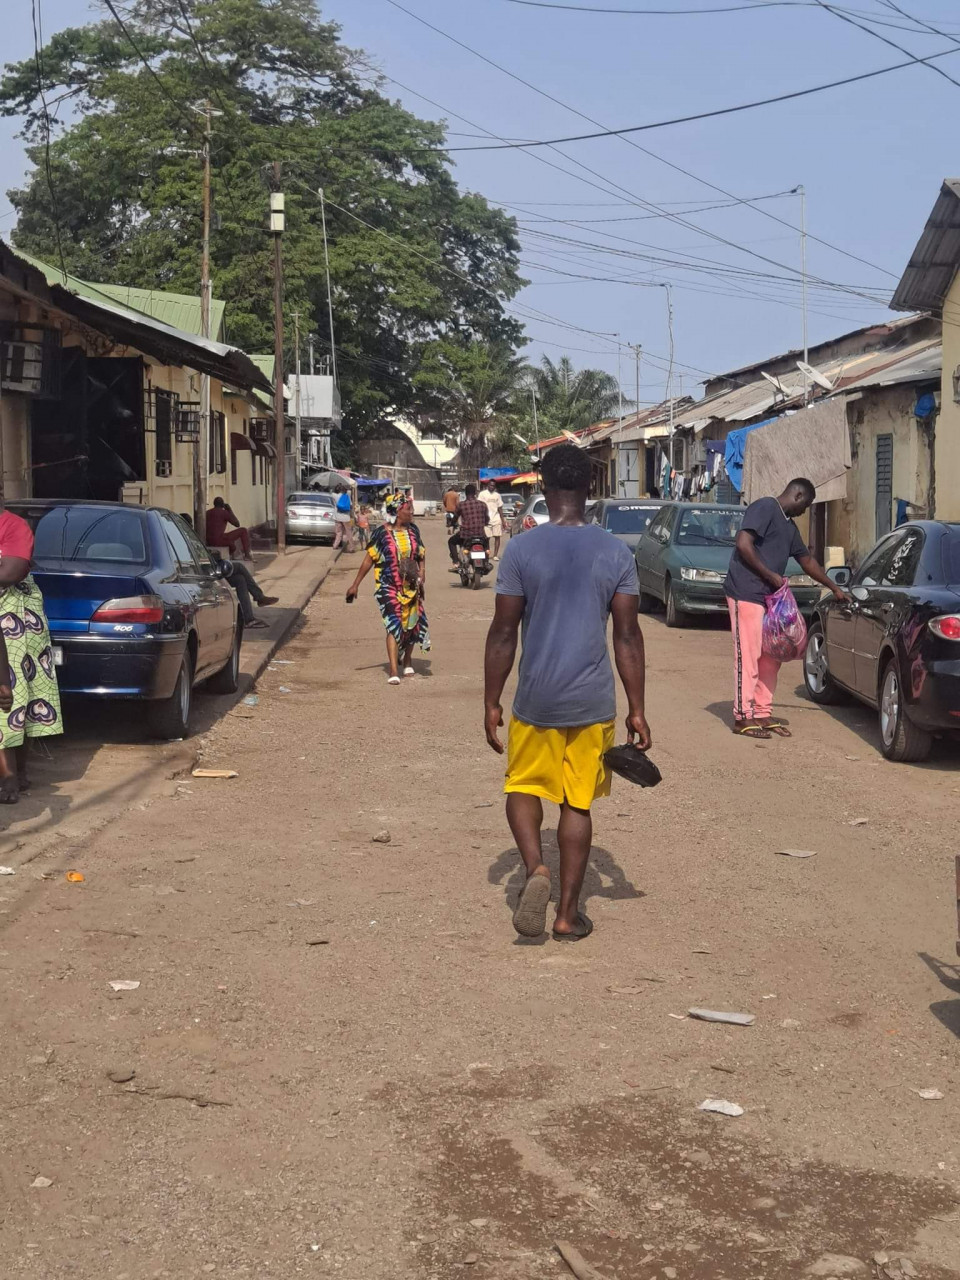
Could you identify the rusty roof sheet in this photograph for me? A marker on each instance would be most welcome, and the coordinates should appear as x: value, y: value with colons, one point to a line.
x: 933, y: 263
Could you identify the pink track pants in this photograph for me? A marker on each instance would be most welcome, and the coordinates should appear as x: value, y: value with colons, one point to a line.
x: 754, y: 673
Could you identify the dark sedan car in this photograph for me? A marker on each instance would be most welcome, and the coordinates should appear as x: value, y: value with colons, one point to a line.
x: 896, y: 643
x: 625, y: 518
x: 137, y: 607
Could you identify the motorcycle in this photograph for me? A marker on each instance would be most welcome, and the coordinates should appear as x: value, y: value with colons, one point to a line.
x: 473, y: 563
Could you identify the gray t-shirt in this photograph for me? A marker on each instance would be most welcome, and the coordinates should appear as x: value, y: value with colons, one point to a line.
x: 776, y: 539
x: 568, y: 576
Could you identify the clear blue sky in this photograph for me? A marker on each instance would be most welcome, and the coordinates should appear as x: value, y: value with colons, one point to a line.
x: 871, y: 156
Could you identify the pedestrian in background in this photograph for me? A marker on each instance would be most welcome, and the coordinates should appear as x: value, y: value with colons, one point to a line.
x: 767, y: 539
x: 363, y: 526
x: 492, y: 500
x: 562, y: 581
x: 343, y: 519
x: 397, y: 558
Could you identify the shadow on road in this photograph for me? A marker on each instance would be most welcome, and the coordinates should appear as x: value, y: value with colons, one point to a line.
x: 945, y: 1011
x: 604, y: 878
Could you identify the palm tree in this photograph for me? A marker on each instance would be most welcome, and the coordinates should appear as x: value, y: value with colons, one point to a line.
x: 476, y: 385
x: 569, y: 399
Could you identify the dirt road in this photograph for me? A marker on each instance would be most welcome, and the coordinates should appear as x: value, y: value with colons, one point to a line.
x: 340, y: 1062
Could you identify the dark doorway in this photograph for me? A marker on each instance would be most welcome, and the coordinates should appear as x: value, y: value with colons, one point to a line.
x: 650, y: 471
x: 90, y: 442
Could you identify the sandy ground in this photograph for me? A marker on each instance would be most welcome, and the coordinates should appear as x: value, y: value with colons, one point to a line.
x: 340, y: 1062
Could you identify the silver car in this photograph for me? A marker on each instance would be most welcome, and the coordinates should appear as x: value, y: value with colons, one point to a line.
x: 310, y: 517
x: 532, y: 513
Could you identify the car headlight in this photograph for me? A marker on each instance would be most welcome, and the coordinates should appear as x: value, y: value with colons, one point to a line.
x: 801, y: 580
x: 701, y: 575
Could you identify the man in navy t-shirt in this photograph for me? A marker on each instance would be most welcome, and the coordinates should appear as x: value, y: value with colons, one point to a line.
x: 766, y: 541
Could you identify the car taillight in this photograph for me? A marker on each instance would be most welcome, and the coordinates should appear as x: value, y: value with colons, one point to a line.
x: 529, y: 522
x: 130, y: 609
x: 946, y: 627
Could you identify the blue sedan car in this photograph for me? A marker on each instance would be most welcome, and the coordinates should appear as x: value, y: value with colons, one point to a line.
x: 137, y: 607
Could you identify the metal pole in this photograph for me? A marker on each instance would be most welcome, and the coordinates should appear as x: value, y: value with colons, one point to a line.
x: 620, y: 384
x: 296, y: 393
x: 310, y: 350
x: 326, y: 260
x: 803, y: 276
x: 201, y: 452
x: 277, y: 226
x: 536, y: 430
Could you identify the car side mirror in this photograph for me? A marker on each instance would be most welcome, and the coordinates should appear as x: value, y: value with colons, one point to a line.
x: 842, y: 575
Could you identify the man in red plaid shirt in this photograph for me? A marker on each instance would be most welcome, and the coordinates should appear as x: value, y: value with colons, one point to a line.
x: 472, y: 514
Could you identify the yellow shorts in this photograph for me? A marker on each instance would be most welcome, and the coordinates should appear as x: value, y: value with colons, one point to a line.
x: 559, y: 764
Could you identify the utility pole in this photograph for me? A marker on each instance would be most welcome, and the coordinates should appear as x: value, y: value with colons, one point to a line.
x: 803, y: 276
x: 201, y: 452
x: 310, y: 349
x: 296, y: 391
x: 277, y: 223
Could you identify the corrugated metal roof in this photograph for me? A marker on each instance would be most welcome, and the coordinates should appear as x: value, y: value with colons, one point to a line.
x: 918, y: 366
x: 179, y: 310
x: 137, y: 329
x: 933, y: 264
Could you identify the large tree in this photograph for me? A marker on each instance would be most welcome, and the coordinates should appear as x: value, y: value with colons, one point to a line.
x: 115, y: 192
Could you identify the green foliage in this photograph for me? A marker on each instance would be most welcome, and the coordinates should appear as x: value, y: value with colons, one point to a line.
x: 125, y: 174
x: 569, y: 399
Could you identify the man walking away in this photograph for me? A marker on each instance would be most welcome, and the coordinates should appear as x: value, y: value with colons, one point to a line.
x: 343, y: 519
x: 492, y: 500
x: 562, y: 581
x: 766, y: 541
x: 472, y: 515
x: 218, y: 517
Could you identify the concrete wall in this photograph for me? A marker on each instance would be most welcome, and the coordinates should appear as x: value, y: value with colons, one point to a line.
x: 948, y: 427
x: 852, y: 522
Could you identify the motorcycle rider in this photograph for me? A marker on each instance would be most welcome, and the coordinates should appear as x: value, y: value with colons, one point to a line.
x: 472, y: 517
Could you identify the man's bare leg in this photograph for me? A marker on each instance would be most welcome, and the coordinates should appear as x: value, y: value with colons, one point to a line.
x: 525, y: 815
x: 574, y: 836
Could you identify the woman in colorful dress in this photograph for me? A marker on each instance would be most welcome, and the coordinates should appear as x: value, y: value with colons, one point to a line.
x: 397, y: 558
x: 29, y: 698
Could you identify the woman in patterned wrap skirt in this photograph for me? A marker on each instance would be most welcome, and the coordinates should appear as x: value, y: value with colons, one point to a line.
x: 397, y: 558
x: 29, y: 698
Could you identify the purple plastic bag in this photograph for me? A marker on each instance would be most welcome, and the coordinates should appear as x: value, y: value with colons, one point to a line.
x: 784, y: 630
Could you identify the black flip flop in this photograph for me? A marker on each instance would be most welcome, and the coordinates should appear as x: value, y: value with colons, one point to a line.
x: 585, y: 930
x: 530, y: 915
x: 633, y: 764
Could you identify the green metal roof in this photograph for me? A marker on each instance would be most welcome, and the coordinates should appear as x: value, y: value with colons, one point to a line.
x: 179, y: 310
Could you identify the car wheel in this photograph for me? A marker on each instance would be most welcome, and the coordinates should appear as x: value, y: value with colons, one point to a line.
x: 900, y: 739
x: 227, y: 679
x: 170, y: 719
x: 674, y: 617
x: 646, y: 602
x: 817, y: 680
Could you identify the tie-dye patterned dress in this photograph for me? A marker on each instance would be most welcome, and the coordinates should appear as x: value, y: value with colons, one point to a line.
x: 400, y: 603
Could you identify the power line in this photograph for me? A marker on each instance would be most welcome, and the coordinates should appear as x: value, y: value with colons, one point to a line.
x: 837, y: 13
x: 669, y: 13
x: 629, y: 141
x: 703, y: 115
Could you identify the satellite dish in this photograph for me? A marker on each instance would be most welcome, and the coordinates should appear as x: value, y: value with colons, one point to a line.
x: 776, y: 382
x: 814, y: 375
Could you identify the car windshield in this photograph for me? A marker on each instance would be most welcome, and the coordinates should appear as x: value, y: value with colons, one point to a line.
x: 628, y: 519
x: 91, y: 533
x: 306, y: 499
x: 709, y: 527
x: 539, y: 508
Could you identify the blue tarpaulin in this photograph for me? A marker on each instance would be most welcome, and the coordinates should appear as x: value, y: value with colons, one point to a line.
x: 735, y: 447
x: 497, y: 473
x: 366, y: 482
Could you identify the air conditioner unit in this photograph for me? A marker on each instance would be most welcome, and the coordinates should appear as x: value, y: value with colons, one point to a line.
x: 21, y: 367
